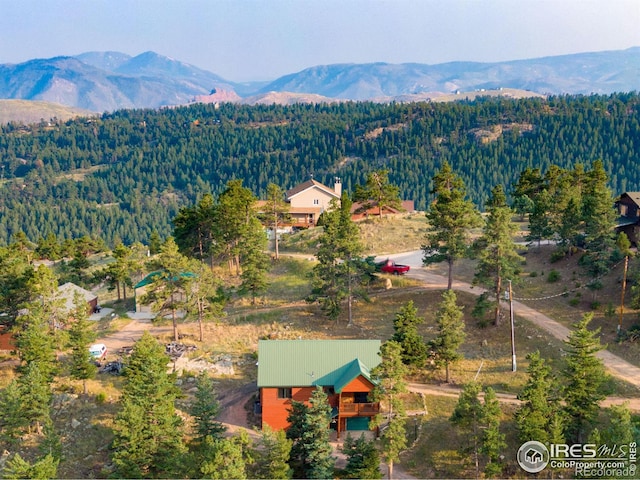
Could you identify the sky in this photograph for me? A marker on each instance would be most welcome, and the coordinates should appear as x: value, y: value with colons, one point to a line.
x: 245, y: 40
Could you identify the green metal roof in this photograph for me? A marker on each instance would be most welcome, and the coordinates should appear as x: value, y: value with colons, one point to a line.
x: 304, y: 363
x: 353, y: 371
x: 150, y: 278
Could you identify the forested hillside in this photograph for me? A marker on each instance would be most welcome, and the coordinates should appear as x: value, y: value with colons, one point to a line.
x: 125, y: 175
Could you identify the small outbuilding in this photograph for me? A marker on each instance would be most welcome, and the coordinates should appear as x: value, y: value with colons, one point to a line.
x: 68, y: 292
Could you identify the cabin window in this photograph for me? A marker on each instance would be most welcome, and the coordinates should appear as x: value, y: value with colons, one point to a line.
x: 623, y: 209
x: 284, y: 393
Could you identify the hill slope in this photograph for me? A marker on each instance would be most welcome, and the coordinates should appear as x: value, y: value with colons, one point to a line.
x: 125, y: 175
x: 107, y: 81
x: 585, y: 73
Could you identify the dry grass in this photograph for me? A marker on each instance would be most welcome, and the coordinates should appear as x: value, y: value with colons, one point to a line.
x: 391, y: 234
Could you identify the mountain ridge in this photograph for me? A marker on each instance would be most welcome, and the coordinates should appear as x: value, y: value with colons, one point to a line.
x: 110, y: 80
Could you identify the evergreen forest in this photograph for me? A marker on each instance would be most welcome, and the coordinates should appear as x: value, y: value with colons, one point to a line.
x: 123, y: 176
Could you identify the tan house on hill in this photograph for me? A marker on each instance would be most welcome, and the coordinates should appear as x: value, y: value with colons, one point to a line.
x: 309, y: 199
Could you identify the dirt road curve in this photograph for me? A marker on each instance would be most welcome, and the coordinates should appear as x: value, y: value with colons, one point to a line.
x: 445, y: 391
x: 616, y: 365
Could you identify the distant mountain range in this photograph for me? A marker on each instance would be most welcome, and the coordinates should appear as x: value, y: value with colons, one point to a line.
x: 107, y: 81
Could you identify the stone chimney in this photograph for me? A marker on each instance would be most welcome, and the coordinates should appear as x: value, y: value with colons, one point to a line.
x: 337, y: 186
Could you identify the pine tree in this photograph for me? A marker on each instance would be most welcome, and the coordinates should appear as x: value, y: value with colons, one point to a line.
x: 451, y: 335
x: 599, y: 221
x: 405, y: 326
x: 255, y: 262
x: 498, y: 259
x: 363, y: 459
x: 493, y: 442
x: 540, y: 227
x: 166, y: 293
x: 148, y: 432
x: 35, y: 397
x: 277, y: 211
x: 155, y: 243
x: 223, y: 459
x: 318, y: 459
x: 42, y: 469
x: 12, y: 422
x: 378, y: 192
x: 193, y: 228
x: 205, y: 409
x: 620, y: 430
x: 584, y: 378
x: 451, y: 217
x: 232, y: 214
x: 81, y: 336
x: 390, y: 383
x: 340, y: 271
x: 205, y: 298
x: 535, y: 416
x: 272, y: 455
x: 309, y: 432
x: 467, y: 416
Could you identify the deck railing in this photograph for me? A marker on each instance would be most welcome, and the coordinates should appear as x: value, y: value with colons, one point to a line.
x: 359, y: 409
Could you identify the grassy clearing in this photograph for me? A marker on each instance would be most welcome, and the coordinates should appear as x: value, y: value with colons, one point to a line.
x: 393, y: 234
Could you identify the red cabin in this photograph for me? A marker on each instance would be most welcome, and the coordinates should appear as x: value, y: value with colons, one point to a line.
x: 291, y: 370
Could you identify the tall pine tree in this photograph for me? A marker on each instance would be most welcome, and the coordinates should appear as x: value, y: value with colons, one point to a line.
x: 498, y: 259
x: 451, y: 217
x: 451, y: 335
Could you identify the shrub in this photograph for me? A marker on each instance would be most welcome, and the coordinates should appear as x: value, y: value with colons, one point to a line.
x: 558, y: 255
x: 574, y: 302
x: 101, y: 398
x: 553, y: 276
x: 610, y: 311
x: 533, y: 274
x: 595, y: 305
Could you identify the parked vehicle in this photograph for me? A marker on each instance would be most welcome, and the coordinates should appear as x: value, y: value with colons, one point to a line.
x: 389, y: 266
x: 98, y: 351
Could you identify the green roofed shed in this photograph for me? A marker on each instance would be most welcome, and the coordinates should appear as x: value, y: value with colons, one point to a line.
x: 303, y: 363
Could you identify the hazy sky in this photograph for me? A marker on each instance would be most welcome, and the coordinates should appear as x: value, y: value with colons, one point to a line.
x: 263, y: 39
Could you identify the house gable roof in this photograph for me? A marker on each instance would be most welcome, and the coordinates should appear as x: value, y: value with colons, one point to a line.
x: 305, y: 363
x: 354, y: 370
x: 634, y: 196
x: 67, y: 292
x: 306, y: 186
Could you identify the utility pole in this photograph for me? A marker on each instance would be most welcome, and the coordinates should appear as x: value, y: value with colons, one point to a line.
x: 624, y: 286
x: 513, y: 335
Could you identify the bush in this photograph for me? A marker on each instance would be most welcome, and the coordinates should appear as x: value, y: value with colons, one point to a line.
x: 533, y: 274
x: 595, y: 305
x: 558, y: 255
x: 553, y: 276
x: 101, y: 398
x: 610, y: 311
x: 574, y: 302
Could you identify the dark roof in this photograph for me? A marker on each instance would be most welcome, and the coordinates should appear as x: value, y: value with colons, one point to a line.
x: 310, y: 184
x: 635, y: 196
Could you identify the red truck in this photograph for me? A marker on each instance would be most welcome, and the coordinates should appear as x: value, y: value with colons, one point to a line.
x: 389, y: 266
